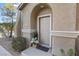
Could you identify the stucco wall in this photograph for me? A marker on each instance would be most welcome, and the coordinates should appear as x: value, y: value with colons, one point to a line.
x: 63, y: 19
x: 64, y: 16
x: 62, y: 43
x: 26, y: 16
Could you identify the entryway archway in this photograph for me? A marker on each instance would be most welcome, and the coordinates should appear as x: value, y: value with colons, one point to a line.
x: 41, y: 23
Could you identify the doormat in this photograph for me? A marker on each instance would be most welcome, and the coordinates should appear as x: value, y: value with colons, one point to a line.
x: 43, y: 48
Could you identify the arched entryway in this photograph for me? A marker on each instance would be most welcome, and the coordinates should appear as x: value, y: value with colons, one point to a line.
x: 41, y: 23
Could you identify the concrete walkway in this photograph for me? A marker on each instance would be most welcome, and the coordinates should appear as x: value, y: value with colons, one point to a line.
x: 4, y: 52
x: 31, y: 51
x: 6, y: 44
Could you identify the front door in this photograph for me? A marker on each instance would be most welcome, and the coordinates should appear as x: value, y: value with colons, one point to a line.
x: 44, y: 30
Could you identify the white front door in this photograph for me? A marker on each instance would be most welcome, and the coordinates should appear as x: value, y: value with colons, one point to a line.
x: 44, y: 30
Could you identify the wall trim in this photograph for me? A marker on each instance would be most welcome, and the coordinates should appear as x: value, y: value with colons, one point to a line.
x: 68, y: 34
x: 28, y: 30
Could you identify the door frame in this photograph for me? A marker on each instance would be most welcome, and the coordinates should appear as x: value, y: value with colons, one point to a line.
x: 38, y: 27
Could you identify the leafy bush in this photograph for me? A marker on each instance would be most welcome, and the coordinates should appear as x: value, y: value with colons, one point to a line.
x: 62, y: 52
x: 19, y: 44
x: 70, y: 52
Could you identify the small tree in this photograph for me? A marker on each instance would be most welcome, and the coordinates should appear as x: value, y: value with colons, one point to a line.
x: 8, y: 13
x: 1, y: 29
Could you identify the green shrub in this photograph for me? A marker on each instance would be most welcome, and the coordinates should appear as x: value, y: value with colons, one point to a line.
x: 62, y: 52
x: 70, y: 52
x: 19, y: 44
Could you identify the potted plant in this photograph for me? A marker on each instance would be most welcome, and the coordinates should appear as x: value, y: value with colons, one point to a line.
x: 34, y: 40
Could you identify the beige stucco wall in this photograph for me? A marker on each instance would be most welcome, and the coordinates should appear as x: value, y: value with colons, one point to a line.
x: 62, y: 43
x: 63, y: 19
x: 18, y: 25
x: 64, y: 16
